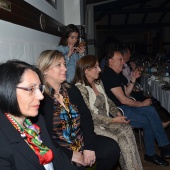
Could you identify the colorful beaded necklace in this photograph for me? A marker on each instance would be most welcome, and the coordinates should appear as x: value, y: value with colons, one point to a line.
x: 31, y: 135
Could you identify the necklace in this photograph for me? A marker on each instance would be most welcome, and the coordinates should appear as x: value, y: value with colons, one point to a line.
x: 17, y: 126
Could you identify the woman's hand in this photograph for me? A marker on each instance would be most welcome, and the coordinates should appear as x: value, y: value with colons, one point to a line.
x: 72, y: 49
x: 119, y: 114
x: 80, y: 49
x: 78, y: 158
x: 120, y: 119
x: 89, y: 157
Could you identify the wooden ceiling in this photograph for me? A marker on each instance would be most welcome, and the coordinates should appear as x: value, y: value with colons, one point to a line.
x: 131, y: 14
x: 94, y: 1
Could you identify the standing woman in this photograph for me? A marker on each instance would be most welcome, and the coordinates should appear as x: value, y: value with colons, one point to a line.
x: 68, y: 119
x: 116, y: 127
x: 69, y: 46
x: 25, y: 145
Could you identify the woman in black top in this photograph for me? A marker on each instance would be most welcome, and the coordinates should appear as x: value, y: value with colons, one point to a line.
x: 25, y: 143
x: 69, y: 120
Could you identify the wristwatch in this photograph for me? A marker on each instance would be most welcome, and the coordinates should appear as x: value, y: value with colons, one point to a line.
x: 132, y: 82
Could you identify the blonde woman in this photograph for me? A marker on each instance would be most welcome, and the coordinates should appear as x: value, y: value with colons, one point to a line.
x: 69, y: 120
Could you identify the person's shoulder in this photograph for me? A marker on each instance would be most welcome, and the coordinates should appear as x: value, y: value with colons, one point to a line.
x: 71, y: 87
x: 108, y: 70
x: 107, y: 73
x: 74, y: 92
x: 61, y: 46
x: 63, y: 49
x: 80, y: 85
x: 82, y: 88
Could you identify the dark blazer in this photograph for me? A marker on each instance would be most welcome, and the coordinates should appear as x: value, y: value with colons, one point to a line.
x: 86, y: 122
x: 15, y: 153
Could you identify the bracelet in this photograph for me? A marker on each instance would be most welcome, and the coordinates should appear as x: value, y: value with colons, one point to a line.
x: 132, y: 82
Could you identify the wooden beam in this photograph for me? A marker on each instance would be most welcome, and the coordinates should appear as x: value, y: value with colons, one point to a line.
x: 109, y: 19
x: 162, y: 17
x: 126, y: 20
x: 94, y: 1
x: 137, y: 10
x: 144, y: 18
x: 142, y: 4
x: 132, y: 11
x: 133, y: 26
x: 28, y: 16
x: 119, y: 4
x: 164, y: 3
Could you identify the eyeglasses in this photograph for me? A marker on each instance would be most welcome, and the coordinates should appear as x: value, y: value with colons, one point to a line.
x: 33, y: 89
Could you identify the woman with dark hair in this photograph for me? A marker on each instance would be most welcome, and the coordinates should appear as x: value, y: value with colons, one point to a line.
x: 115, y: 126
x: 69, y: 120
x: 69, y: 46
x: 25, y: 145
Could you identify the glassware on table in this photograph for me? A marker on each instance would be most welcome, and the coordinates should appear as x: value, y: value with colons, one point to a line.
x: 148, y: 94
x: 161, y: 76
x: 166, y: 80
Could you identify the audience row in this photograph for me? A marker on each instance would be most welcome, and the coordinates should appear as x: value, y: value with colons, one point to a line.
x: 60, y: 115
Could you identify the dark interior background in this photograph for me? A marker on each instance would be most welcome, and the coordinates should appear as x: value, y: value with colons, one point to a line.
x: 144, y: 25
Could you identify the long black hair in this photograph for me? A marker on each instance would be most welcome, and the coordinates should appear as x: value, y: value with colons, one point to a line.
x: 68, y: 30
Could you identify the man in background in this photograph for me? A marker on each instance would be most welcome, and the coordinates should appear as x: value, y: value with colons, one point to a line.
x: 140, y: 114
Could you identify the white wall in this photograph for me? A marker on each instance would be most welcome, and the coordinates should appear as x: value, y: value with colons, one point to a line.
x: 18, y: 42
x: 73, y: 11
x: 44, y: 6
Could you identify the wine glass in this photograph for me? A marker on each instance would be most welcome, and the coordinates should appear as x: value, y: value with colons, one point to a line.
x: 148, y: 94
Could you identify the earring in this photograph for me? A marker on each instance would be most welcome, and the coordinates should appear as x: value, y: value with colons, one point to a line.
x: 45, y: 73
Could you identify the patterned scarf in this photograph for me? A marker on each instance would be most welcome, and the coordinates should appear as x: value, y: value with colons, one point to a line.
x: 31, y: 135
x: 66, y: 124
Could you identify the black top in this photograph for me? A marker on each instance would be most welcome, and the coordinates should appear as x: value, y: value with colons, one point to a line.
x: 15, y: 153
x: 111, y: 80
x: 86, y: 123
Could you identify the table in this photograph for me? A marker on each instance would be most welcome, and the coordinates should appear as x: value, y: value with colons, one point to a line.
x: 163, y: 96
x: 144, y: 82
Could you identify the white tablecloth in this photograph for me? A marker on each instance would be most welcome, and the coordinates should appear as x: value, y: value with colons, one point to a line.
x: 163, y: 96
x: 144, y: 82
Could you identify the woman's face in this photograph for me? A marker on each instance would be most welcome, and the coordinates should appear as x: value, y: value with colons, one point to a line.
x: 72, y: 39
x: 56, y: 73
x: 29, y: 101
x: 93, y: 73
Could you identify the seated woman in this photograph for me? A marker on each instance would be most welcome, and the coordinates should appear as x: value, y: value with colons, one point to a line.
x: 68, y: 119
x: 87, y: 80
x: 25, y: 145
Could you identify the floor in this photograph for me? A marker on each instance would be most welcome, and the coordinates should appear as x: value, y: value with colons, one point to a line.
x: 165, y: 116
x: 151, y: 166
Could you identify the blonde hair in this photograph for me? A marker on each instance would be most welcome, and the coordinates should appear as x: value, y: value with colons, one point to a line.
x: 45, y: 60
